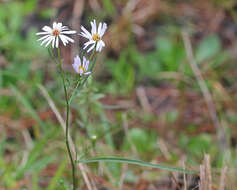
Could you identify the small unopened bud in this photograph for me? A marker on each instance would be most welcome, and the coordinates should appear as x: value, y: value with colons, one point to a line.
x: 94, y: 137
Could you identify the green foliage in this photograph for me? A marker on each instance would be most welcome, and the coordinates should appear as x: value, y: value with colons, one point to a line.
x: 145, y: 142
x: 208, y: 48
x: 35, y: 162
x: 133, y: 66
x: 58, y: 174
x: 109, y: 7
x: 28, y: 106
x: 198, y: 145
x: 123, y: 72
x: 11, y: 22
x: 171, y: 54
x: 146, y: 65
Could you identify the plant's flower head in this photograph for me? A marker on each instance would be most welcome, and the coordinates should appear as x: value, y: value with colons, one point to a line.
x: 52, y: 35
x: 81, y: 66
x: 95, y: 37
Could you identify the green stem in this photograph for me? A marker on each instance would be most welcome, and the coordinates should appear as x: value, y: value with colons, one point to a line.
x: 67, y: 120
x: 93, y: 53
x: 74, y: 92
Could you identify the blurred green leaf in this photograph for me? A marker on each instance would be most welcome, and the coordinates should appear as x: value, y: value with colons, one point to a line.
x: 143, y: 141
x: 208, y: 48
x: 57, y: 176
x: 28, y: 106
x: 197, y: 145
x: 123, y: 72
x: 48, y: 13
x: 29, y: 6
x: 171, y: 54
x: 109, y: 6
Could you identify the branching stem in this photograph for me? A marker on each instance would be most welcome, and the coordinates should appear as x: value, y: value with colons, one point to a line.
x: 67, y: 120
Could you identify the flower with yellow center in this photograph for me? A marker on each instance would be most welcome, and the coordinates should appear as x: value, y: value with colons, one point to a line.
x: 52, y: 35
x: 95, y: 37
x: 81, y: 67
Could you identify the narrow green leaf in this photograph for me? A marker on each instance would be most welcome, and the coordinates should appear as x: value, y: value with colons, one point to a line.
x: 57, y: 176
x: 136, y: 162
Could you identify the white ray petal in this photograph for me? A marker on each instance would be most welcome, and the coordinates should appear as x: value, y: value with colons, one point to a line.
x: 67, y: 38
x: 93, y: 27
x: 104, y: 28
x: 45, y: 40
x: 47, y: 29
x: 57, y: 42
x: 86, y: 31
x: 54, y: 25
x: 50, y: 40
x: 84, y: 35
x: 89, y: 43
x: 98, y: 46
x: 53, y: 42
x: 64, y: 28
x: 99, y: 28
x: 59, y: 25
x: 42, y: 33
x: 91, y: 48
x: 69, y: 32
x: 43, y: 37
x: 63, y: 40
x: 102, y: 43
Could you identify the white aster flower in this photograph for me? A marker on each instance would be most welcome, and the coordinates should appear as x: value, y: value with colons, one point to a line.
x: 95, y: 37
x: 52, y: 35
x: 79, y: 67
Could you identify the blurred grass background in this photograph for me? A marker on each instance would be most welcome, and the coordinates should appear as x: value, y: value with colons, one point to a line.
x: 142, y: 102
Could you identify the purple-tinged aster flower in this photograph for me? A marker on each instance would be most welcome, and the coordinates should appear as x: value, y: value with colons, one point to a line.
x: 81, y: 66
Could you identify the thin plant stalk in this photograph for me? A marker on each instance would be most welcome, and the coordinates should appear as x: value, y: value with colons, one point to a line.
x: 68, y: 102
x: 67, y: 120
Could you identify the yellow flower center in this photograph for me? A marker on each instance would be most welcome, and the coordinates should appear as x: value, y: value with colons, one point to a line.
x: 55, y: 32
x: 96, y: 37
x: 81, y: 67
